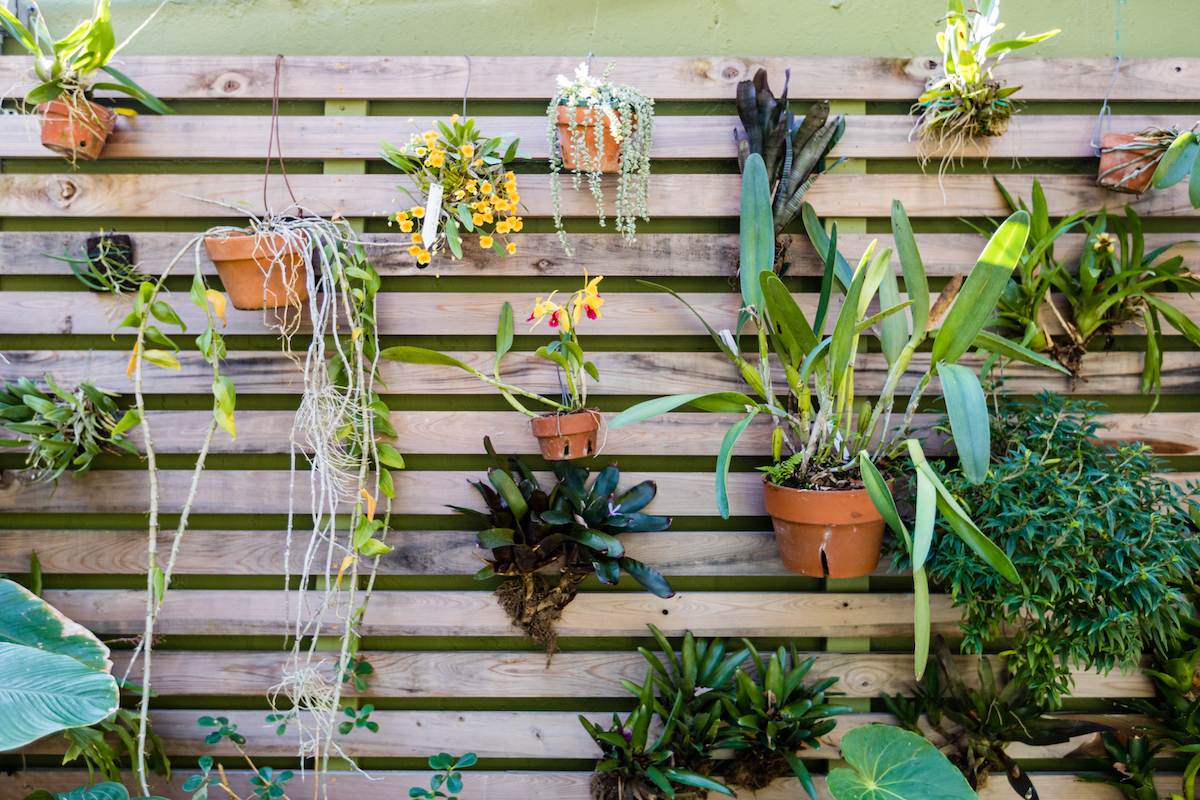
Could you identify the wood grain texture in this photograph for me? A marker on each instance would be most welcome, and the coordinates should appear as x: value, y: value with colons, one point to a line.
x: 621, y: 373
x: 662, y: 255
x: 526, y: 675
x: 675, y: 137
x: 465, y: 313
x: 663, y: 78
x: 514, y: 785
x: 448, y: 613
x: 225, y: 492
x: 671, y: 195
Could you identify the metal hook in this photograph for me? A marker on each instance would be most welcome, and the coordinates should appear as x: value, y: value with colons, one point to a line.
x: 1105, y: 111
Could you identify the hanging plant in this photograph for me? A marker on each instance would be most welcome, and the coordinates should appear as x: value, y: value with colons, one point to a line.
x: 73, y: 125
x: 106, y: 265
x: 967, y: 102
x: 462, y: 187
x: 570, y: 527
x: 1128, y: 160
x: 600, y: 127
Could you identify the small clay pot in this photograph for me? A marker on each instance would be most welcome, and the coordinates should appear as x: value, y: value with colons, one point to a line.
x: 1128, y: 170
x: 825, y: 534
x: 259, y: 270
x: 610, y: 159
x: 563, y: 437
x: 77, y: 132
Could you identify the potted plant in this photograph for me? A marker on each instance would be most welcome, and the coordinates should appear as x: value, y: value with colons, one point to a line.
x: 833, y: 449
x: 463, y: 186
x: 966, y: 102
x: 600, y: 127
x: 571, y: 527
x: 1181, y: 160
x: 570, y: 429
x: 1128, y: 160
x: 793, y: 150
x: 73, y: 125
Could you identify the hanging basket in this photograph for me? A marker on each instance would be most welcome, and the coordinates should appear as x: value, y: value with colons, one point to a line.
x: 610, y: 158
x: 77, y: 131
x: 1128, y: 160
x: 563, y: 437
x: 259, y: 270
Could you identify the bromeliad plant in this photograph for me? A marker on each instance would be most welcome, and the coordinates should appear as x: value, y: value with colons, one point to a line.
x: 583, y: 115
x: 1116, y: 283
x: 814, y: 414
x: 632, y: 766
x: 793, y: 151
x: 571, y: 527
x: 66, y: 430
x: 774, y: 715
x: 967, y: 101
x: 462, y: 187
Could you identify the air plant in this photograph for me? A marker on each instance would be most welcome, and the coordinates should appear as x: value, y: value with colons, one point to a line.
x: 106, y: 264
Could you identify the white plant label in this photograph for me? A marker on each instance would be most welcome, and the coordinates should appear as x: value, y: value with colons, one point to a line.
x: 433, y: 212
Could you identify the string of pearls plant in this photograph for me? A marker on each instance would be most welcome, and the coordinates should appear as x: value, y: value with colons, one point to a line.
x: 609, y: 110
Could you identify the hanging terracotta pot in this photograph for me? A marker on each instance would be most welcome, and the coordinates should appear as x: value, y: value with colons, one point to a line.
x: 566, y: 436
x: 610, y: 159
x: 260, y: 270
x: 835, y: 533
x: 76, y: 131
x: 1128, y: 161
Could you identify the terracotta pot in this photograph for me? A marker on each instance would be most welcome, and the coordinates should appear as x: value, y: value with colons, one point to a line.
x: 1131, y: 170
x: 566, y: 436
x: 78, y: 133
x: 610, y: 159
x: 260, y: 270
x: 835, y: 534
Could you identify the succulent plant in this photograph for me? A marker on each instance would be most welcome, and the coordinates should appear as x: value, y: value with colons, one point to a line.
x: 572, y: 525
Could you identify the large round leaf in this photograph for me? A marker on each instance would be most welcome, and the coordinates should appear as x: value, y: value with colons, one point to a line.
x: 28, y: 620
x: 42, y: 693
x: 893, y: 764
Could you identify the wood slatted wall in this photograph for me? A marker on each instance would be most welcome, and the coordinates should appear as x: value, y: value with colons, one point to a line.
x: 450, y: 673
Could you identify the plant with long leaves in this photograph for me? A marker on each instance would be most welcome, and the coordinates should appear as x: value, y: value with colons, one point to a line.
x: 1129, y: 766
x: 701, y: 674
x: 1099, y: 539
x: 1117, y: 282
x: 773, y: 715
x: 634, y: 767
x: 793, y: 151
x: 814, y: 414
x: 565, y: 352
x: 1180, y: 160
x: 106, y: 264
x: 974, y: 726
x: 66, y: 430
x: 572, y: 526
x: 966, y: 101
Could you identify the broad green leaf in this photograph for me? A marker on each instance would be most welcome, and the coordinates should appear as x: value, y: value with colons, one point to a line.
x: 890, y: 763
x: 841, y: 348
x: 921, y: 622
x: 916, y: 284
x: 389, y: 456
x: 693, y: 779
x: 967, y: 408
x: 508, y: 490
x: 757, y: 237
x: 504, y: 335
x: 926, y: 516
x: 986, y: 340
x: 881, y: 496
x: 977, y: 299
x: 893, y: 329
x: 43, y: 692
x: 494, y: 537
x: 731, y: 437
x: 27, y: 620
x: 423, y: 355
x: 1175, y: 163
x: 821, y: 243
x: 714, y: 401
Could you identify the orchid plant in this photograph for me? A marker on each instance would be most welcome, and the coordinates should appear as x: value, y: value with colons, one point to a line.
x: 565, y: 352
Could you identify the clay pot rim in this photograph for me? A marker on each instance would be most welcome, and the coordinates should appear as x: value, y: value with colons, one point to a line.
x: 590, y: 417
x: 859, y: 486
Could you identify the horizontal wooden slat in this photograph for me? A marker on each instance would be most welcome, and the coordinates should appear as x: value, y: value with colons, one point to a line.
x: 481, y: 785
x: 463, y: 313
x: 569, y: 674
x: 633, y: 373
x: 663, y: 255
x: 418, y: 613
x: 488, y: 734
x: 671, y: 195
x: 663, y: 78
x: 225, y: 492
x: 675, y: 137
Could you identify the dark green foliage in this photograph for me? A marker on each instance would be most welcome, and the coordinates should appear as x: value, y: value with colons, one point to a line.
x: 267, y: 785
x: 65, y: 430
x: 198, y: 784
x: 359, y: 718
x: 360, y: 670
x: 772, y: 716
x: 110, y: 745
x: 634, y: 767
x: 1099, y: 541
x: 975, y: 725
x: 449, y: 777
x: 793, y: 151
x: 1134, y: 777
x: 223, y: 729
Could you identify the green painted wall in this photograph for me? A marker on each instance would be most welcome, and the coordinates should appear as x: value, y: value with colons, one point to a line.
x: 628, y: 27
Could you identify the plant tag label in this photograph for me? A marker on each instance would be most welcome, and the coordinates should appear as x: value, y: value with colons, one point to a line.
x: 433, y: 212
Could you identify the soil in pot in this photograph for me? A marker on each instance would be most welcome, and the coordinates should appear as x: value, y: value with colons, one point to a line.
x: 535, y: 606
x: 76, y: 131
x: 755, y: 769
x: 1124, y: 167
x: 606, y: 786
x: 833, y: 533
x: 610, y: 159
x: 259, y: 270
x: 566, y: 436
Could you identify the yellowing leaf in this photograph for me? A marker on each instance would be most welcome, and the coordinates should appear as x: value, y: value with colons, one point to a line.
x: 218, y: 302
x: 357, y: 333
x: 346, y: 562
x: 125, y: 112
x: 370, y: 504
x: 132, y: 361
x: 162, y: 358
